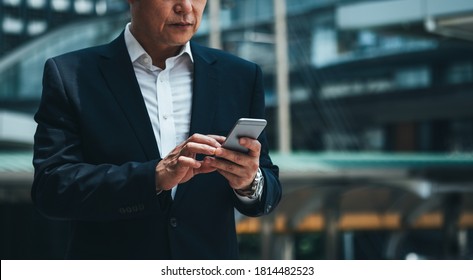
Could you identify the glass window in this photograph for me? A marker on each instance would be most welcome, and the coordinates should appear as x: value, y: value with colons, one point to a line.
x: 101, y: 7
x: 83, y: 6
x: 324, y: 46
x: 460, y: 72
x: 367, y: 38
x: 11, y: 2
x: 417, y: 77
x: 337, y: 89
x: 461, y: 136
x: 341, y: 141
x: 60, y: 5
x: 36, y: 4
x: 12, y: 25
x: 36, y: 27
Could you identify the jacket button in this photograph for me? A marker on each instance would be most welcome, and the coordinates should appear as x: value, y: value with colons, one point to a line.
x: 173, y: 222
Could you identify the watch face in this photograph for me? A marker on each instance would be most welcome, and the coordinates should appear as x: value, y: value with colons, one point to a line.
x: 259, y: 176
x: 257, y: 185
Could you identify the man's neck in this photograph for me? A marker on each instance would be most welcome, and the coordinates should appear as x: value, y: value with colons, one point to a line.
x: 159, y: 55
x: 158, y: 52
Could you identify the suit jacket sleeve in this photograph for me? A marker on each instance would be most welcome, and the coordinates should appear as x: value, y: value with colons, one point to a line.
x: 66, y: 186
x: 272, y: 187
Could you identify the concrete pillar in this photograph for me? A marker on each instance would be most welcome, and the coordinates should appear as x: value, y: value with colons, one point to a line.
x: 214, y: 23
x: 282, y: 77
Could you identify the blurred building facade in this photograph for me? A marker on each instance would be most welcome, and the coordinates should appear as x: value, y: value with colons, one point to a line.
x: 24, y: 20
x: 382, y: 130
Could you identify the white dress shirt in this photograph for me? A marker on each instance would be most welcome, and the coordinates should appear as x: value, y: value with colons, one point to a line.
x: 167, y: 94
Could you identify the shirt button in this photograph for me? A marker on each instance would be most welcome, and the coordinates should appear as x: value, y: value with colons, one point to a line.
x: 165, y: 117
x: 173, y: 222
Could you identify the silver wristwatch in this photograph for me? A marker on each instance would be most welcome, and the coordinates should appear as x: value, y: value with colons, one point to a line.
x: 256, y: 188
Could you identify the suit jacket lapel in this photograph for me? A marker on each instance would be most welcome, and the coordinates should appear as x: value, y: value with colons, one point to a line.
x: 205, y: 91
x: 204, y: 97
x: 118, y: 72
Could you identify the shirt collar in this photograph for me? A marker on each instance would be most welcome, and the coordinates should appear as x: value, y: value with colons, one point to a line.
x: 135, y: 50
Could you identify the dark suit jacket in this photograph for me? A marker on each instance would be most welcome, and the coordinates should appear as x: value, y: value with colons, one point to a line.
x: 95, y: 156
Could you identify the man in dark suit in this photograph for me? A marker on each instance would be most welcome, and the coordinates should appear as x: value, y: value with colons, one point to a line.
x: 112, y: 148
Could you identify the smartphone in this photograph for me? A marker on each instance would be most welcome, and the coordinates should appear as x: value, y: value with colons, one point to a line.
x: 244, y: 127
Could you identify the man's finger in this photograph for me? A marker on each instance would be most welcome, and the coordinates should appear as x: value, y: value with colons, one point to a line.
x: 235, y: 181
x: 228, y: 166
x: 191, y: 148
x: 187, y: 162
x: 203, y: 139
x: 220, y: 139
x: 253, y: 145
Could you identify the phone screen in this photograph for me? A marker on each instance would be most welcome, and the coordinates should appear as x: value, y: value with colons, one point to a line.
x: 244, y: 127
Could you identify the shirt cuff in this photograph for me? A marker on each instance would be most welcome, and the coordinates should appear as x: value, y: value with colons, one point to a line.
x: 259, y: 184
x: 245, y: 199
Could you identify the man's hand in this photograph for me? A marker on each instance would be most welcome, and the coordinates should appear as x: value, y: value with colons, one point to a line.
x: 180, y: 165
x: 238, y: 168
